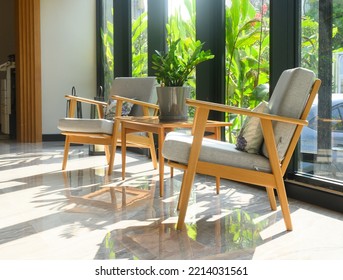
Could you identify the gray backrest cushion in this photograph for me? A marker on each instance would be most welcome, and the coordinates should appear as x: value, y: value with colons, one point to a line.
x: 289, y: 99
x: 140, y: 88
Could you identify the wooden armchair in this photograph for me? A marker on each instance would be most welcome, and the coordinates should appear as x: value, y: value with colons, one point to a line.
x: 280, y: 130
x: 139, y: 92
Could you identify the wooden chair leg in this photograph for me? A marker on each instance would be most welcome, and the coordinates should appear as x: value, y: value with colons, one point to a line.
x: 181, y: 190
x: 217, y: 184
x: 189, y: 175
x: 66, y: 152
x: 272, y: 200
x: 107, y: 153
x: 268, y: 134
x: 186, y: 188
x: 284, y: 205
x: 152, y: 150
x: 123, y: 160
x: 112, y: 153
x: 123, y: 154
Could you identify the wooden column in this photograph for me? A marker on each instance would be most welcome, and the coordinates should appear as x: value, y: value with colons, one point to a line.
x: 28, y: 71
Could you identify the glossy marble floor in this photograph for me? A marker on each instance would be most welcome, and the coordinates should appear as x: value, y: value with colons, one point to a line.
x: 83, y: 214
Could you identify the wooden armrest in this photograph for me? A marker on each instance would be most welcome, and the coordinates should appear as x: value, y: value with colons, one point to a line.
x: 74, y: 99
x: 242, y: 111
x: 85, y: 100
x: 136, y: 102
x: 212, y: 123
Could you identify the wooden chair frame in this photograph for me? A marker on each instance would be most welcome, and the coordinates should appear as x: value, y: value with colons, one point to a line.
x: 110, y: 141
x: 271, y: 181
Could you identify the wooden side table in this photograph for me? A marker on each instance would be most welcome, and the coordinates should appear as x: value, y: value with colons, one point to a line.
x: 154, y: 125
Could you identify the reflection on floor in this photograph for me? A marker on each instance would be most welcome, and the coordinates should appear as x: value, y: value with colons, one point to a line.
x: 84, y: 214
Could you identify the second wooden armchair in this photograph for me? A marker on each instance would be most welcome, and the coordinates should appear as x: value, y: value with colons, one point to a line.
x: 139, y: 92
x: 280, y: 128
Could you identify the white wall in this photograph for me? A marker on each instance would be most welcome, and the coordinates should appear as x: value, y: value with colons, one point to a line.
x: 68, y: 56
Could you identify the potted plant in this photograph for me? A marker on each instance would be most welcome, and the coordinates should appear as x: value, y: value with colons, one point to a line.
x: 173, y: 70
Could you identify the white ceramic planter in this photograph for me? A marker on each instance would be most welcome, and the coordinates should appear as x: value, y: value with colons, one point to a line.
x: 172, y: 102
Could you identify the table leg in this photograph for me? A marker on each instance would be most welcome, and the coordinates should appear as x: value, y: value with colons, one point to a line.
x: 217, y: 133
x: 123, y: 151
x: 161, y: 160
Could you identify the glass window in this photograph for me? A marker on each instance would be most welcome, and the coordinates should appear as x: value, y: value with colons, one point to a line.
x: 247, y: 46
x: 181, y: 19
x: 321, y: 143
x: 247, y: 56
x: 106, y: 31
x: 181, y: 24
x: 139, y: 38
x: 337, y: 117
x: 139, y: 55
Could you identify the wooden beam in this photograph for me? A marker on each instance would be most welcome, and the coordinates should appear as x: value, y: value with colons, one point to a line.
x: 28, y: 71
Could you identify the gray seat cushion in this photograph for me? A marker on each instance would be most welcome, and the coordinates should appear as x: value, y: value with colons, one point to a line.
x: 177, y: 148
x: 86, y: 125
x: 288, y: 99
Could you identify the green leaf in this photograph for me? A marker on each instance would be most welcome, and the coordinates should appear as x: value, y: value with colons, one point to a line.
x: 174, y: 67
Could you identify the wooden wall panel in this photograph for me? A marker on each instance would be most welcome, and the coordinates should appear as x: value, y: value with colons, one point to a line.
x: 28, y: 69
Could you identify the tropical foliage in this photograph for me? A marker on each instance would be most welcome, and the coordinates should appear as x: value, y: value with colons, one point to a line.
x: 247, y: 47
x: 140, y: 45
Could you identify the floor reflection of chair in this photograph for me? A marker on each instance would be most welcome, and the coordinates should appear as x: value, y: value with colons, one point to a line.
x: 104, y: 194
x: 164, y: 241
x: 161, y: 240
